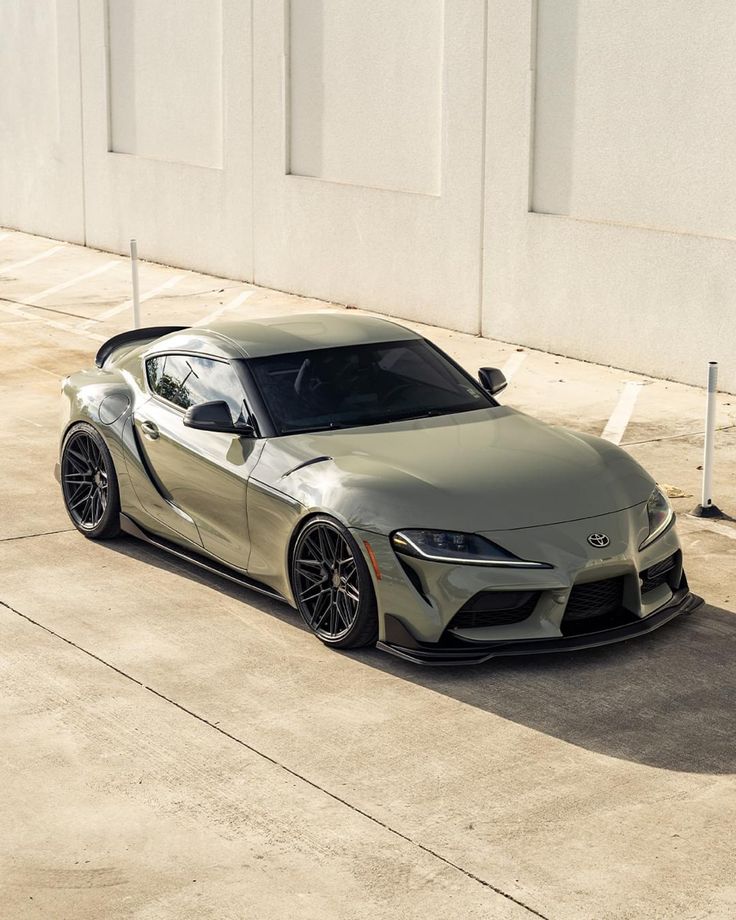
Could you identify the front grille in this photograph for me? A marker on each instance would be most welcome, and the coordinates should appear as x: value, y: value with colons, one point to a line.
x: 657, y: 574
x: 495, y: 608
x: 595, y: 606
x: 594, y: 599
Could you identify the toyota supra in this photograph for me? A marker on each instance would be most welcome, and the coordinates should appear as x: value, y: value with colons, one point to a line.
x: 345, y: 465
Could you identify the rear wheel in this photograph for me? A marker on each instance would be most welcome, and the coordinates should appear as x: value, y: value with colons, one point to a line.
x: 89, y: 484
x: 332, y: 585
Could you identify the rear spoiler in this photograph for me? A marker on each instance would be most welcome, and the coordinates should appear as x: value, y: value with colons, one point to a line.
x: 147, y: 334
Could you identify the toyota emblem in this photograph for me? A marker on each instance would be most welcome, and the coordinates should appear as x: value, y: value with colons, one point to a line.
x: 598, y: 539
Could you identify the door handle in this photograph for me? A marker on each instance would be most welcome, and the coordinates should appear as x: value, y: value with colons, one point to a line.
x: 149, y: 430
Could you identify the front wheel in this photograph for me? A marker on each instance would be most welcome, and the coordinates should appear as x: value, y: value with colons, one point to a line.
x: 332, y: 585
x: 89, y: 484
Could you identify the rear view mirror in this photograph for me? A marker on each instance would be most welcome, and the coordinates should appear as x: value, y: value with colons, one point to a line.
x: 492, y: 380
x: 215, y: 416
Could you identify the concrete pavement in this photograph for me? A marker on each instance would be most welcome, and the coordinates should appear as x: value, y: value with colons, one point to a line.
x: 175, y: 746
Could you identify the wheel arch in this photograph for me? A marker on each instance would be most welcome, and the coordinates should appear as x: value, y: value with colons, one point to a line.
x: 368, y: 629
x: 301, y: 524
x: 100, y: 398
x: 83, y: 395
x: 87, y: 463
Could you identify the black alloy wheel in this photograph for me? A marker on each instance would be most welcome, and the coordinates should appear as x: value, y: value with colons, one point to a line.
x: 89, y: 483
x: 332, y: 585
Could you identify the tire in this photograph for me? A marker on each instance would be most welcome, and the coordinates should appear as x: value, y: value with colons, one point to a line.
x: 89, y: 484
x: 332, y: 586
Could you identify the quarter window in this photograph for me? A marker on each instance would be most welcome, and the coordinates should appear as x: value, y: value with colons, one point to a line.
x: 187, y: 380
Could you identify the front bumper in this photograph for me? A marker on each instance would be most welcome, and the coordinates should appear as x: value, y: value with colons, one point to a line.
x: 422, y: 605
x: 452, y: 650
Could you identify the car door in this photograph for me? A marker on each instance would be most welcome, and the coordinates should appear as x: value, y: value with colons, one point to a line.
x: 204, y: 474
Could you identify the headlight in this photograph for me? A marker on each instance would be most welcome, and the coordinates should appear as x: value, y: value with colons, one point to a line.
x: 660, y: 515
x: 450, y: 546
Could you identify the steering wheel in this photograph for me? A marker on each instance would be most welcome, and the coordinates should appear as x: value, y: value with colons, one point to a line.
x: 397, y: 389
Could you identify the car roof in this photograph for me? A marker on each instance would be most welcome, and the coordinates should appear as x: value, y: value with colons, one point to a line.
x: 276, y: 335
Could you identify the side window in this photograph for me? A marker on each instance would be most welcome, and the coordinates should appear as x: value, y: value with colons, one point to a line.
x: 167, y: 375
x: 186, y: 380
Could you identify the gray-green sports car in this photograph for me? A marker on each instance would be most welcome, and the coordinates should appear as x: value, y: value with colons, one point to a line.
x: 347, y: 466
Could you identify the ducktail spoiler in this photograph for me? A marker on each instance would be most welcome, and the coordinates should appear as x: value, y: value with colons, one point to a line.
x: 133, y: 337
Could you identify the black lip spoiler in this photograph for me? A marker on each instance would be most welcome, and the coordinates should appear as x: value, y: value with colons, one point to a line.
x: 400, y: 642
x: 147, y: 333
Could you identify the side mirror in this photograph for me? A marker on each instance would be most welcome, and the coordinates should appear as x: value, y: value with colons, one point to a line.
x: 492, y: 380
x: 215, y: 416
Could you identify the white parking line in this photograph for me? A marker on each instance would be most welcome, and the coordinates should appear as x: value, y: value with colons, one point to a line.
x: 128, y: 304
x: 13, y: 310
x: 620, y: 416
x: 513, y: 364
x: 41, y: 255
x: 101, y: 269
x: 230, y: 305
x: 703, y: 523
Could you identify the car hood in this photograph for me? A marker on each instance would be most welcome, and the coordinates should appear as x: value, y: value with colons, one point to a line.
x: 489, y: 469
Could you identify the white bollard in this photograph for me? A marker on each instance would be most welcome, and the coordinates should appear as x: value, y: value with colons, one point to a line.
x: 134, y: 277
x: 710, y: 433
x: 706, y: 508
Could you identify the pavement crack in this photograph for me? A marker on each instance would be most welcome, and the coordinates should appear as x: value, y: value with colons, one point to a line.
x: 34, y: 306
x: 28, y: 536
x: 674, y: 437
x: 272, y: 760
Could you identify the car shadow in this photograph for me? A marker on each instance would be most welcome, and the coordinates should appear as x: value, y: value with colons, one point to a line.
x: 666, y: 699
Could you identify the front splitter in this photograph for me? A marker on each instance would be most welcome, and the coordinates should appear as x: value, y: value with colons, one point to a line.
x: 460, y: 651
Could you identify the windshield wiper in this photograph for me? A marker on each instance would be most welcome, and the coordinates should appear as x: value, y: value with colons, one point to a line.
x: 431, y: 412
x: 333, y: 426
x: 425, y: 413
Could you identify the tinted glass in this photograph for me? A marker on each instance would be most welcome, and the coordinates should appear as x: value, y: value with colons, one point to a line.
x: 362, y: 385
x: 186, y: 381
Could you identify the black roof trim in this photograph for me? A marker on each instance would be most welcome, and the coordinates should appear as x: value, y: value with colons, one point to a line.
x: 147, y: 333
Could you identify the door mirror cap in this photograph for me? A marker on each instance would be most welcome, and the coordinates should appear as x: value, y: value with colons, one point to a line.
x: 215, y: 416
x: 492, y: 379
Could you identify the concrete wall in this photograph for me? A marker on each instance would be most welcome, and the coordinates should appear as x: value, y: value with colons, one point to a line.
x: 166, y: 101
x: 368, y: 166
x: 41, y: 184
x: 610, y: 228
x: 556, y: 173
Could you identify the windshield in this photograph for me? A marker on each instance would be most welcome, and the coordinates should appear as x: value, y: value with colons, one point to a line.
x: 358, y: 385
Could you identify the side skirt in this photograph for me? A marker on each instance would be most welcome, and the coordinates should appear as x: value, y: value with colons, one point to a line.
x: 129, y: 526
